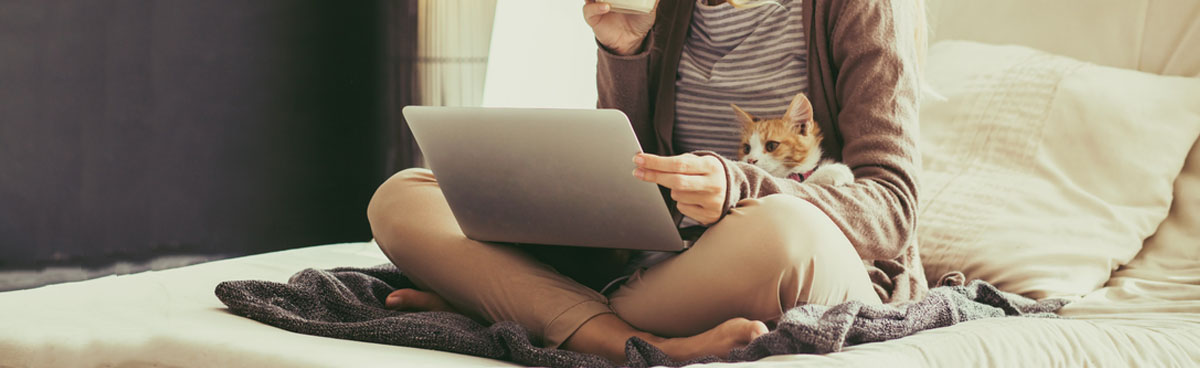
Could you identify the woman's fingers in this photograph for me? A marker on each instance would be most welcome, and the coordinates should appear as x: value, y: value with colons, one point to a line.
x: 697, y: 183
x: 593, y: 11
x: 619, y: 33
x: 681, y: 164
x: 687, y: 182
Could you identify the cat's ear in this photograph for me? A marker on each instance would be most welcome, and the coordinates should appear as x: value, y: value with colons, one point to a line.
x: 800, y: 113
x: 742, y: 116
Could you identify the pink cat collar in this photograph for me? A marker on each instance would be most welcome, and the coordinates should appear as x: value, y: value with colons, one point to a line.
x: 801, y: 177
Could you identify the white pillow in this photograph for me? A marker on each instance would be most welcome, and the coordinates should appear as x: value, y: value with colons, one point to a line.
x: 1165, y: 275
x: 1043, y: 174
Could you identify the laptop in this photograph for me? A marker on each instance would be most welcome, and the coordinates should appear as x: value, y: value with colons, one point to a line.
x: 543, y: 176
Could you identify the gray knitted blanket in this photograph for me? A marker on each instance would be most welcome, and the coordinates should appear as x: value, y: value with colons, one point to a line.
x: 347, y: 303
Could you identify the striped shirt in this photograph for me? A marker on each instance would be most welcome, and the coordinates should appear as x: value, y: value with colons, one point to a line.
x: 754, y: 57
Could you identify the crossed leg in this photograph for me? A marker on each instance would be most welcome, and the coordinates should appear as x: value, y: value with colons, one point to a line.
x: 765, y: 257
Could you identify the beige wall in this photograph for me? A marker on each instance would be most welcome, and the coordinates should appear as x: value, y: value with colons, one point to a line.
x: 1157, y: 36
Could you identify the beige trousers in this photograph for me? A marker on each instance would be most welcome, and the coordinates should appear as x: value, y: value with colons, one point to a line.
x: 767, y: 256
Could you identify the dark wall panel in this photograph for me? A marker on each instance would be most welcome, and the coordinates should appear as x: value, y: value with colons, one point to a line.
x: 137, y: 128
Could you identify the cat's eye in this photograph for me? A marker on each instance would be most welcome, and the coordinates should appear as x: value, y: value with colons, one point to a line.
x: 745, y: 149
x: 772, y: 145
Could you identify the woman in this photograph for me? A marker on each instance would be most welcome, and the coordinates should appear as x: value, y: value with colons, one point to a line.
x: 769, y: 243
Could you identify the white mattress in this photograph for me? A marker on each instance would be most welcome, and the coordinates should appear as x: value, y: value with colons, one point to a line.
x: 172, y: 318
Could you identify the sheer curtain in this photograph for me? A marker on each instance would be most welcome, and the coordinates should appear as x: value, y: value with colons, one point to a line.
x: 446, y: 65
x: 452, y: 50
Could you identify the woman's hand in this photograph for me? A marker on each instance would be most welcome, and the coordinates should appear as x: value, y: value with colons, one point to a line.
x: 620, y: 32
x: 697, y: 183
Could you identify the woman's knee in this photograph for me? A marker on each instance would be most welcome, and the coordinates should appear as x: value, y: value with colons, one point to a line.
x: 810, y: 255
x: 394, y: 205
x: 785, y: 230
x: 392, y: 192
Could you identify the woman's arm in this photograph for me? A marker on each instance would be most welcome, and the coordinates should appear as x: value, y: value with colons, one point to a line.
x: 877, y: 89
x: 623, y: 65
x: 622, y: 83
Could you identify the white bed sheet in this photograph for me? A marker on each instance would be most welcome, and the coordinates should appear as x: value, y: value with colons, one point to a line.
x: 172, y: 318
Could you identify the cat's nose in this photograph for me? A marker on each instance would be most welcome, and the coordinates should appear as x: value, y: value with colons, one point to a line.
x: 751, y: 161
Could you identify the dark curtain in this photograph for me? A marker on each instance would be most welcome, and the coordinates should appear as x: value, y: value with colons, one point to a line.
x: 402, y: 82
x: 131, y: 129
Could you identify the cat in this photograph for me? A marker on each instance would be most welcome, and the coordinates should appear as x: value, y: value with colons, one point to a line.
x: 790, y: 146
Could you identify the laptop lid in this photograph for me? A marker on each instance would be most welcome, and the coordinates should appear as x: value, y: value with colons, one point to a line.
x: 543, y: 176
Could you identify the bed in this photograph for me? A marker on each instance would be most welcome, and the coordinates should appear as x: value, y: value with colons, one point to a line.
x: 1146, y: 313
x: 171, y: 318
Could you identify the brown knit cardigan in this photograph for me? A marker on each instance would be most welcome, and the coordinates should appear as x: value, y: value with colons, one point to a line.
x: 864, y: 91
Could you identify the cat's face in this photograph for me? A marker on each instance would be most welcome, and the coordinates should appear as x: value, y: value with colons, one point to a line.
x: 784, y: 145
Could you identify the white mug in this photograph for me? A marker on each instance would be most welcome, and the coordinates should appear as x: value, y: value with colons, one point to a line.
x: 631, y: 6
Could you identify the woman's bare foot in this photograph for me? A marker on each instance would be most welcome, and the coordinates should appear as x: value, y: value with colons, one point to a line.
x: 417, y: 300
x: 605, y: 335
x: 718, y: 341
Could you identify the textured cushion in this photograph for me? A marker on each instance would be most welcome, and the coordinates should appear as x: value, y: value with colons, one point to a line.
x: 1042, y: 173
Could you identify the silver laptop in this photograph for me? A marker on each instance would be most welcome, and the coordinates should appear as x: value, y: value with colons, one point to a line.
x: 543, y: 176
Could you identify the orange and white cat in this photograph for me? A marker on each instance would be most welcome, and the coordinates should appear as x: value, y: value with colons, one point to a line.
x: 790, y: 146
